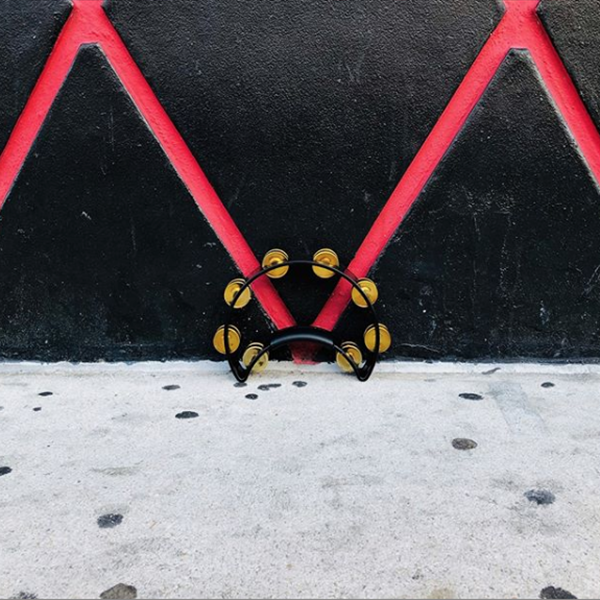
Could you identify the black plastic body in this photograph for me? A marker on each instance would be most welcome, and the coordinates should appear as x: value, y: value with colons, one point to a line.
x: 302, y: 333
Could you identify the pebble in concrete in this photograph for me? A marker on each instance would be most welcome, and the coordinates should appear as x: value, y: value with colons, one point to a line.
x: 540, y: 497
x: 171, y: 387
x: 120, y: 591
x: 44, y: 394
x: 552, y: 593
x: 186, y: 414
x: 265, y: 387
x: 470, y: 396
x: 37, y: 409
x: 299, y: 384
x: 109, y: 521
x: 5, y: 471
x: 239, y: 384
x: 252, y: 396
x: 547, y: 384
x: 463, y: 444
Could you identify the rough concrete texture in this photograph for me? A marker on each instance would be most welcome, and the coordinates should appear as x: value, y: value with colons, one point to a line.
x: 332, y: 489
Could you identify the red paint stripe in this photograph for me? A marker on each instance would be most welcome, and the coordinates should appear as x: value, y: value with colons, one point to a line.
x: 520, y: 27
x: 188, y: 168
x: 88, y: 23
x: 565, y: 95
x: 422, y: 167
x: 36, y: 110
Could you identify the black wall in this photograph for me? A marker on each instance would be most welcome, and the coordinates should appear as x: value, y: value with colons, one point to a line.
x: 304, y: 115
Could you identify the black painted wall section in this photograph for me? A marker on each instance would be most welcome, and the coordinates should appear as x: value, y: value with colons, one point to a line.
x: 500, y: 256
x: 304, y: 116
x: 103, y: 253
x: 574, y: 26
x: 28, y: 30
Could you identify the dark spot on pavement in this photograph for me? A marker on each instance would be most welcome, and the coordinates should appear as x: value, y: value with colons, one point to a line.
x: 540, y: 497
x: 171, y: 387
x: 300, y: 383
x: 240, y: 384
x: 547, y: 384
x: 463, y: 444
x: 469, y: 396
x: 491, y: 371
x: 44, y: 394
x: 252, y: 396
x: 551, y: 593
x: 119, y: 592
x: 37, y: 409
x: 24, y: 596
x: 265, y: 387
x: 109, y: 521
x: 5, y: 471
x: 186, y: 414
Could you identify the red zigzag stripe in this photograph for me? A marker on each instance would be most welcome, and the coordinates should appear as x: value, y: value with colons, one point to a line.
x: 520, y: 27
x: 88, y: 24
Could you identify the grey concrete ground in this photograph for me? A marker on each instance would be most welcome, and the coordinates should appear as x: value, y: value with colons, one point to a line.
x: 333, y: 489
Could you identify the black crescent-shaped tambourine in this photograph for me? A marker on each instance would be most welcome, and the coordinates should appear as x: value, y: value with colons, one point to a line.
x: 325, y: 265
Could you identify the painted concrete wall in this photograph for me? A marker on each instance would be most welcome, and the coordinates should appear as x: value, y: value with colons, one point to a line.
x: 152, y: 151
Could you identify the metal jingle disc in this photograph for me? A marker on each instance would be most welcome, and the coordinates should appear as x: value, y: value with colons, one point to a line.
x: 353, y: 352
x: 235, y: 337
x: 328, y: 257
x: 275, y: 257
x: 371, y: 292
x: 385, y: 338
x: 250, y: 354
x: 231, y: 291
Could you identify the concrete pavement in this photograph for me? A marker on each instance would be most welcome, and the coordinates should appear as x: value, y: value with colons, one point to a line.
x: 168, y: 478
